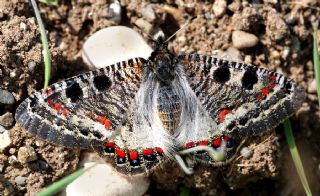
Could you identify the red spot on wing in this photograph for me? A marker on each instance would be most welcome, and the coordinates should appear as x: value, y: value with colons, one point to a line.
x: 260, y: 97
x: 49, y: 91
x: 120, y: 153
x: 159, y: 150
x: 203, y: 143
x: 146, y: 152
x: 101, y: 119
x: 50, y: 101
x: 265, y: 91
x: 133, y: 155
x: 57, y: 106
x: 65, y: 111
x: 190, y: 144
x: 271, y: 84
x: 226, y: 138
x: 222, y: 114
x: 110, y: 144
x: 216, y: 142
x: 107, y: 124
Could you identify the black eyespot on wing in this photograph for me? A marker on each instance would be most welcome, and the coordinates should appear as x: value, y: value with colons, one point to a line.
x: 222, y: 74
x: 74, y: 92
x: 249, y: 79
x: 102, y: 82
x: 243, y: 120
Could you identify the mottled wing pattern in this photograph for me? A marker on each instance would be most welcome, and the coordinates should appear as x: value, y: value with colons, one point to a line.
x: 84, y: 110
x: 241, y: 98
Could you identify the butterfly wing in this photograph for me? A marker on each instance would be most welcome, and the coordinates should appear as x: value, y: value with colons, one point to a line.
x: 240, y: 99
x: 85, y: 109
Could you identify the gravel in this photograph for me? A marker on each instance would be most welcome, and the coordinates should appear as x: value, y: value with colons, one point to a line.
x: 241, y: 39
x: 26, y: 154
x: 6, y: 97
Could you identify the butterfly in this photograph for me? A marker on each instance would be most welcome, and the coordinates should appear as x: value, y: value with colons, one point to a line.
x: 140, y: 112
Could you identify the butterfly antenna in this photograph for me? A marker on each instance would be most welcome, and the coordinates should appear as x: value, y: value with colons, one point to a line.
x: 182, y: 27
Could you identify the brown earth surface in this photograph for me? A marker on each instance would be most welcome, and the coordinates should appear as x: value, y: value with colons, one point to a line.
x: 284, y: 32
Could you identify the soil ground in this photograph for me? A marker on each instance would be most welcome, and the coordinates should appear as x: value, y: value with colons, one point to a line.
x: 284, y: 30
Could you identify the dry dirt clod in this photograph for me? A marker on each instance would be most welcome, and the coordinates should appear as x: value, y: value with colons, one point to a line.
x: 241, y: 39
x: 26, y: 154
x: 6, y: 119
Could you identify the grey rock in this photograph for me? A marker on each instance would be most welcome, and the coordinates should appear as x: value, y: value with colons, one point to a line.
x: 20, y: 180
x: 2, y: 129
x: 148, y: 13
x: 6, y: 97
x: 26, y: 154
x: 6, y: 119
x: 114, y: 11
x: 1, y: 167
x: 246, y: 152
x: 241, y: 39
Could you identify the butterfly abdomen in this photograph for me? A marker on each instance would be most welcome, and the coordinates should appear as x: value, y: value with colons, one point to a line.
x: 169, y: 108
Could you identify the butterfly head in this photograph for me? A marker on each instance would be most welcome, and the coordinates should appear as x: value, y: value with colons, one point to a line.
x: 161, y: 62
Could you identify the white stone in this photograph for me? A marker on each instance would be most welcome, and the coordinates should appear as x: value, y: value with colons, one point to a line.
x: 112, y: 45
x: 4, y: 140
x: 103, y: 179
x: 246, y: 152
x: 115, y: 9
x: 20, y: 180
x: 1, y: 167
x: 219, y: 7
x: 241, y: 39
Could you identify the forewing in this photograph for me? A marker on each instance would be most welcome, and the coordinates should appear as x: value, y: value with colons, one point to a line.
x: 83, y: 110
x: 240, y: 97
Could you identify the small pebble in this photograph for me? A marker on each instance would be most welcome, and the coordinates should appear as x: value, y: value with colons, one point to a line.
x: 246, y: 152
x: 1, y: 167
x: 115, y: 12
x: 312, y: 87
x: 26, y: 154
x: 219, y: 7
x: 2, y: 129
x: 23, y: 26
x: 144, y: 25
x: 6, y: 97
x: 241, y: 39
x: 6, y: 119
x: 285, y: 52
x: 12, y: 150
x: 4, y: 140
x: 12, y: 159
x: 20, y: 180
x: 248, y: 59
x: 31, y: 66
x: 148, y: 13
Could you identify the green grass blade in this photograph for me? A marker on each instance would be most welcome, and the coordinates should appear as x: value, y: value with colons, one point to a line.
x: 45, y: 50
x: 316, y: 63
x: 58, y: 186
x: 296, y: 157
x: 50, y: 2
